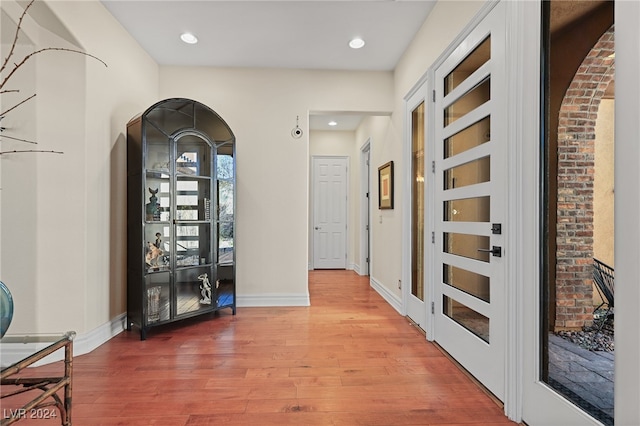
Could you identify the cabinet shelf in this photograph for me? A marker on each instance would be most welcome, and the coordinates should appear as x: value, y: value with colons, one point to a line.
x: 180, y: 214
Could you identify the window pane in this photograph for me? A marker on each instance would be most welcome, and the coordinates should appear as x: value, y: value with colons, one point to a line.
x: 194, y: 290
x: 193, y: 198
x: 468, y: 66
x: 417, y: 202
x: 475, y: 284
x: 474, y: 135
x: 476, y: 323
x: 468, y: 210
x: 477, y: 171
x: 468, y: 102
x: 466, y: 245
x: 193, y: 156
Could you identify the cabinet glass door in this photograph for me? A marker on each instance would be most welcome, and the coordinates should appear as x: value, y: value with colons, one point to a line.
x: 225, y: 262
x: 192, y: 227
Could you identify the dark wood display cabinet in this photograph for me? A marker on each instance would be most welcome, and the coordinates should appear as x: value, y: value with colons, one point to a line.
x: 180, y: 214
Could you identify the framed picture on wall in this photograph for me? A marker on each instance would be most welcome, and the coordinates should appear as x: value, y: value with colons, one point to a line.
x: 385, y: 186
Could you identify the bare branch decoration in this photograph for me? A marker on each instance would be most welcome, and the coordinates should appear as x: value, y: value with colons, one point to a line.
x: 17, y: 66
x: 2, y: 114
x: 29, y: 150
x: 44, y: 50
x: 19, y: 140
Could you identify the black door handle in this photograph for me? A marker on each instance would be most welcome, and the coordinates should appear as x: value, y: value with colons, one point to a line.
x: 496, y: 251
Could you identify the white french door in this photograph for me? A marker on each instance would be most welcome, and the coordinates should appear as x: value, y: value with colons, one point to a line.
x: 330, y: 212
x: 470, y: 174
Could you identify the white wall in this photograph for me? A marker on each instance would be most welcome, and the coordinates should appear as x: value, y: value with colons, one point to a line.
x: 261, y: 106
x: 63, y: 238
x: 385, y: 253
x: 19, y: 175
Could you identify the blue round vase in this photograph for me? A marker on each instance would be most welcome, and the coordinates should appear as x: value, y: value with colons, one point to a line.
x: 6, y: 308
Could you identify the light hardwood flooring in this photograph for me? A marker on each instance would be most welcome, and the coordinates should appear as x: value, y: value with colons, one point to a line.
x: 348, y: 359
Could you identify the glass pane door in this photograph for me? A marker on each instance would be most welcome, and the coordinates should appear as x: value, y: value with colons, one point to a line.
x: 194, y: 279
x: 470, y: 176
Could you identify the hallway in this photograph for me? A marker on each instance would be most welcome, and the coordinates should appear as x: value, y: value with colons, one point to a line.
x: 349, y: 359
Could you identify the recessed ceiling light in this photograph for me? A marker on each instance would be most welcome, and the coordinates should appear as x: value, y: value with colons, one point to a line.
x: 188, y: 38
x: 356, y: 43
x: 333, y: 123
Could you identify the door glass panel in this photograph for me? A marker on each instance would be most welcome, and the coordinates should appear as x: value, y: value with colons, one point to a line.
x: 417, y: 202
x: 195, y: 289
x: 474, y: 284
x: 473, y: 321
x: 157, y: 239
x: 226, y: 192
x: 224, y: 285
x: 476, y: 171
x: 475, y: 97
x: 193, y: 199
x: 475, y: 209
x: 478, y: 57
x: 474, y: 135
x: 193, y: 245
x: 224, y: 166
x: 212, y: 124
x: 157, y: 208
x: 225, y: 200
x: 157, y: 149
x: 193, y: 156
x: 466, y: 245
x: 157, y: 287
x: 172, y: 116
x: 225, y: 243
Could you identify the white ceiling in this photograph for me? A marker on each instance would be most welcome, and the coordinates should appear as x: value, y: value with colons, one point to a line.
x: 298, y: 34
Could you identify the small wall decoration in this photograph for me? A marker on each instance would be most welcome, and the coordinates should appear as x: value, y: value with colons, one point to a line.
x: 385, y: 186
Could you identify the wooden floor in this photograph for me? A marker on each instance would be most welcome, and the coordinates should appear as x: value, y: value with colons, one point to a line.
x: 348, y: 359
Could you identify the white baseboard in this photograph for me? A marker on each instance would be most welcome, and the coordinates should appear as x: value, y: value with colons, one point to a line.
x: 82, y: 344
x: 276, y: 299
x: 391, y: 298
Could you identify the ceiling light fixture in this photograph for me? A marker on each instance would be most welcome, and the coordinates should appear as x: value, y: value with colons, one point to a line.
x: 333, y: 123
x: 356, y: 43
x: 188, y: 38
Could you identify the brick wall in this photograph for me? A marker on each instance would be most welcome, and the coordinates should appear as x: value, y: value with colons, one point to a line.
x: 576, y: 138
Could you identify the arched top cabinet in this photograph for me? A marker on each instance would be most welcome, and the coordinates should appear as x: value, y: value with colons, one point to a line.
x: 180, y: 214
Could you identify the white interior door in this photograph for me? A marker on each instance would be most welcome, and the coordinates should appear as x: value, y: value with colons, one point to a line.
x: 330, y: 212
x: 470, y: 199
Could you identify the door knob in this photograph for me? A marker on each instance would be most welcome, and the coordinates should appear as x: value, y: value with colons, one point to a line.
x: 495, y: 251
x: 316, y: 228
